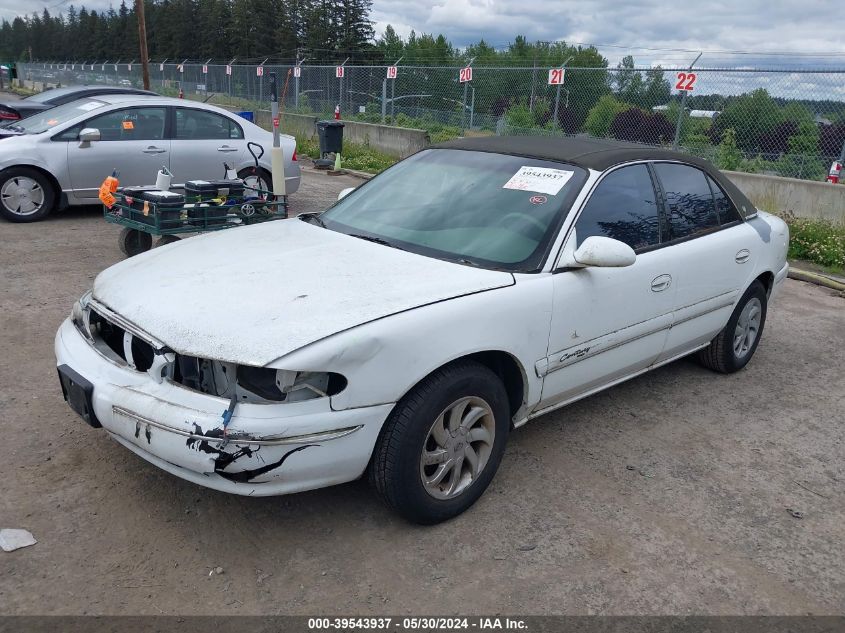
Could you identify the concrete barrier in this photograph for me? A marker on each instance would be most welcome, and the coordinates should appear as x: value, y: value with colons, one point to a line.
x: 393, y: 141
x: 802, y: 198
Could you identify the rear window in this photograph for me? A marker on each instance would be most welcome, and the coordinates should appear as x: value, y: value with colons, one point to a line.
x: 725, y: 209
x: 689, y: 202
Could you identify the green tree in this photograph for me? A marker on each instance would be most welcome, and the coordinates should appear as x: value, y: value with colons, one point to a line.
x: 728, y: 155
x: 750, y: 116
x: 803, y: 160
x: 657, y: 89
x: 602, y: 114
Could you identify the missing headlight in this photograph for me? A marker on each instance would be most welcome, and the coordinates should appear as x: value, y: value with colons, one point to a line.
x: 255, y: 384
x: 282, y: 385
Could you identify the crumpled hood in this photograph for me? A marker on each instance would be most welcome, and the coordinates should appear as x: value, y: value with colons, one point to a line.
x: 252, y: 294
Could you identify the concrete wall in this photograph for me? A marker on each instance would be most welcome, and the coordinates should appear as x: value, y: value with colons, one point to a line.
x: 393, y: 141
x: 803, y: 198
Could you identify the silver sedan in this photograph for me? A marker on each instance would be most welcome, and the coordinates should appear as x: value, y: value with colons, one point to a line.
x: 60, y: 157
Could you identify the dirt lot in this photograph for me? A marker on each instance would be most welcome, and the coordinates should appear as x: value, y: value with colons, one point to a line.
x: 667, y: 494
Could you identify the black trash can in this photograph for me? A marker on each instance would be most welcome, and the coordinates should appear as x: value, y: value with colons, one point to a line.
x: 331, y: 137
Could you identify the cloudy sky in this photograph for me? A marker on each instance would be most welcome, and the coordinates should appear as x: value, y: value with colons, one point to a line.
x: 806, y: 26
x: 793, y: 26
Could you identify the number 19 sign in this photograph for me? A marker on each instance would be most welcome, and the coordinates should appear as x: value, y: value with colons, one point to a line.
x: 465, y: 74
x: 556, y: 76
x: 391, y: 72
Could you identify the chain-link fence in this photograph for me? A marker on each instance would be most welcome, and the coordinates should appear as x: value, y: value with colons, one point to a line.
x: 788, y: 123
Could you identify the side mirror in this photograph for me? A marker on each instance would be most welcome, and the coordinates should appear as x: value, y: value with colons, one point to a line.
x: 89, y: 134
x: 604, y: 252
x: 345, y: 193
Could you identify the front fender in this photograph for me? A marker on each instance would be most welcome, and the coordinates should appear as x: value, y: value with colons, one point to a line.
x: 383, y: 359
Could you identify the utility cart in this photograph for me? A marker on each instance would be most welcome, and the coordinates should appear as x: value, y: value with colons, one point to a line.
x: 144, y: 212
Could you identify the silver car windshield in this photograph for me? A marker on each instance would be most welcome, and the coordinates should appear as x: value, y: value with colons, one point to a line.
x: 477, y: 208
x: 49, y: 119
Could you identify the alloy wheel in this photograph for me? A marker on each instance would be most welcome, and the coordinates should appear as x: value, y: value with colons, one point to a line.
x: 457, y: 447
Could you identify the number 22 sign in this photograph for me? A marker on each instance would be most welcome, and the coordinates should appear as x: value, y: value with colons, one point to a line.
x: 686, y: 81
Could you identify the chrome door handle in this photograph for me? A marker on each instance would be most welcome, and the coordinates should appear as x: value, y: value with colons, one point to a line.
x: 661, y: 282
x: 154, y: 150
x: 226, y: 148
x: 743, y: 256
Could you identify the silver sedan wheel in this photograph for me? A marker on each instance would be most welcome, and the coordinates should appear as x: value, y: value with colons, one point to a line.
x: 22, y: 195
x: 747, y: 328
x: 255, y: 182
x: 457, y: 448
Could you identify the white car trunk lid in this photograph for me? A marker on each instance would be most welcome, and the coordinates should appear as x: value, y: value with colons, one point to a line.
x: 253, y: 294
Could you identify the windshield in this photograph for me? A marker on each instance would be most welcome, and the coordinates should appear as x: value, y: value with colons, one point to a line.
x: 49, y: 119
x: 477, y: 208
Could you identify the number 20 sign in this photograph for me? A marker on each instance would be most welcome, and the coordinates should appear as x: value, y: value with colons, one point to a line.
x: 686, y: 81
x: 465, y: 74
x: 556, y: 76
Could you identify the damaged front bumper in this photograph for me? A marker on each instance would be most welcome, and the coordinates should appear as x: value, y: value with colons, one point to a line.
x: 268, y: 449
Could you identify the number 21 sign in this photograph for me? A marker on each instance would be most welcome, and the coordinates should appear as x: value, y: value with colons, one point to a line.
x: 686, y: 81
x: 465, y: 74
x: 556, y: 77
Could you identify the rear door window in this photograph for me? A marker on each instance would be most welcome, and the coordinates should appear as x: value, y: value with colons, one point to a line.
x: 199, y: 124
x: 690, y: 207
x: 623, y: 207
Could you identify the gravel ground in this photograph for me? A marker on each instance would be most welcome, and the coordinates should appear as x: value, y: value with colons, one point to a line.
x: 665, y: 495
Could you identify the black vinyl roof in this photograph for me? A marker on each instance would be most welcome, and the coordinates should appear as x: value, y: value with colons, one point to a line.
x: 593, y: 153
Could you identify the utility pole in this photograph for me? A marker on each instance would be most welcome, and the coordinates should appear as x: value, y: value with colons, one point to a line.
x: 142, y: 41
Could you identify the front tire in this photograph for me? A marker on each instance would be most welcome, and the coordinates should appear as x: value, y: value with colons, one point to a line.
x: 26, y: 195
x: 442, y: 444
x: 734, y: 346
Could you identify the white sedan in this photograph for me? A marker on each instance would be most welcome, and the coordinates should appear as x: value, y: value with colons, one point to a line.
x: 407, y: 330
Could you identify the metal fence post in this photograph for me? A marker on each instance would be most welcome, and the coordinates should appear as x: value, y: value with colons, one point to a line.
x: 681, y: 111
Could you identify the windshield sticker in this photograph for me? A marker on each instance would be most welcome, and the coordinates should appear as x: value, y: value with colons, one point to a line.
x: 128, y: 125
x: 538, y: 199
x: 539, y: 179
x: 91, y: 105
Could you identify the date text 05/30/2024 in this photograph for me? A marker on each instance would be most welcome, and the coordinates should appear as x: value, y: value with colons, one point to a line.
x: 417, y: 624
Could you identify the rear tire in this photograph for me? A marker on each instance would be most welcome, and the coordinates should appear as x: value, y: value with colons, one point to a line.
x: 26, y: 195
x: 442, y: 444
x: 734, y: 346
x: 260, y: 179
x: 134, y: 242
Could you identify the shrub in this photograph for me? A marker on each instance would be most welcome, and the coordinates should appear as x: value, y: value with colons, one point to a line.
x: 728, y: 155
x: 817, y: 241
x: 602, y: 114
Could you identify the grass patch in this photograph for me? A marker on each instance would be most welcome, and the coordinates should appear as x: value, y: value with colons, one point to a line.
x: 355, y: 156
x: 818, y: 241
